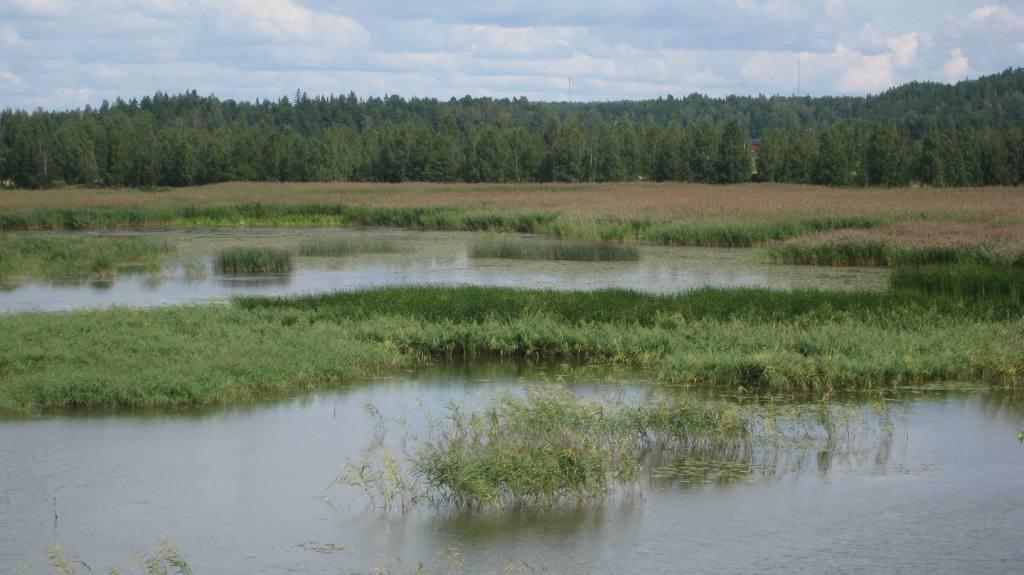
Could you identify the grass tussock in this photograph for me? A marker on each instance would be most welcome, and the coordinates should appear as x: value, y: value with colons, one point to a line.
x: 551, y: 448
x: 348, y: 247
x: 70, y: 257
x: 541, y: 451
x: 538, y: 250
x: 253, y: 261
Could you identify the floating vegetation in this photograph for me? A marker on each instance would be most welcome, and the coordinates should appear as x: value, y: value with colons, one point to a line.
x: 551, y: 448
x: 57, y: 257
x: 253, y: 261
x: 348, y: 247
x: 553, y: 250
x: 164, y: 561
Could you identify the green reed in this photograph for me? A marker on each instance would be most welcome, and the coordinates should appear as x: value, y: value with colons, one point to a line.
x: 553, y: 250
x: 253, y: 261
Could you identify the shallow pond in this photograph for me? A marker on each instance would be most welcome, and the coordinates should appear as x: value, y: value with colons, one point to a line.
x: 247, y: 490
x: 425, y: 258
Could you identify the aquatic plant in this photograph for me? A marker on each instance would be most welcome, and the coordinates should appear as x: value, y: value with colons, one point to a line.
x: 879, y: 253
x: 965, y: 282
x: 745, y: 338
x: 164, y: 561
x: 57, y: 257
x: 253, y: 261
x: 547, y: 449
x: 347, y: 247
x: 541, y: 250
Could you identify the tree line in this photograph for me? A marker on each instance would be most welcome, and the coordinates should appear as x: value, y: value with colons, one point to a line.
x: 969, y: 134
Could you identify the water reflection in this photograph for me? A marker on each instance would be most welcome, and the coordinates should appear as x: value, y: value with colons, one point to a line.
x: 424, y: 258
x: 245, y: 489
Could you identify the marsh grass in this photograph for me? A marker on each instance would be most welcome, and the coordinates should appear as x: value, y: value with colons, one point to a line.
x: 253, y: 261
x: 974, y: 282
x: 745, y: 339
x: 438, y: 218
x: 348, y: 247
x: 544, y: 450
x: 550, y: 448
x: 553, y: 250
x: 878, y: 253
x: 69, y: 257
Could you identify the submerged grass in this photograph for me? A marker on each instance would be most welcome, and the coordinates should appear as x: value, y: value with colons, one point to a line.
x: 539, y: 250
x: 541, y: 451
x: 253, y: 261
x: 69, y: 257
x: 195, y: 355
x: 348, y: 247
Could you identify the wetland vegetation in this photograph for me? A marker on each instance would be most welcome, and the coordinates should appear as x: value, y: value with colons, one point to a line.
x: 750, y: 338
x: 537, y: 250
x: 67, y: 257
x: 253, y: 261
x: 549, y: 448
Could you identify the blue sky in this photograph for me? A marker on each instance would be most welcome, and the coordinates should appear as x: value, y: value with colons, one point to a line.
x: 64, y: 53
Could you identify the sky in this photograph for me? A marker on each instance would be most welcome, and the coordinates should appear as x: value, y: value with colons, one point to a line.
x: 59, y: 54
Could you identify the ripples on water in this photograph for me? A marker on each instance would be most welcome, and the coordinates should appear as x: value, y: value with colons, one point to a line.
x: 246, y: 490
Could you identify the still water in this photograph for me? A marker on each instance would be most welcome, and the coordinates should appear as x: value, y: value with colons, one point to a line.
x: 426, y: 258
x: 247, y: 490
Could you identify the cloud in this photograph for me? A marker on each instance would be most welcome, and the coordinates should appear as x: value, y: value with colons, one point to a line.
x: 958, y: 66
x: 65, y: 53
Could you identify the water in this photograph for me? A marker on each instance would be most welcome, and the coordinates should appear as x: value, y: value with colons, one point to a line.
x: 246, y: 490
x: 427, y: 258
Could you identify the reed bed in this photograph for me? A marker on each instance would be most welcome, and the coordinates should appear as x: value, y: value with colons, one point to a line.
x: 963, y: 282
x: 441, y: 218
x: 69, y: 257
x: 253, y: 261
x: 908, y: 243
x: 213, y: 354
x: 541, y: 250
x: 885, y: 255
x: 348, y: 247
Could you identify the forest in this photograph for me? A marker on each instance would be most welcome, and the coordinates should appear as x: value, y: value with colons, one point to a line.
x: 967, y: 134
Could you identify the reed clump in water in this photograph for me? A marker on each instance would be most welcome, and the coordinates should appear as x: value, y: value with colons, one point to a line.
x: 348, y: 247
x: 540, y: 250
x: 67, y: 256
x: 547, y: 449
x: 253, y: 261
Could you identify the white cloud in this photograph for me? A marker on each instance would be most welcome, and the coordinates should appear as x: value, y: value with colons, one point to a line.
x: 958, y: 66
x: 67, y: 53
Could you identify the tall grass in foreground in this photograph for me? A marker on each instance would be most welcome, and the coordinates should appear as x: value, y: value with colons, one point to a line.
x: 963, y: 282
x: 540, y: 250
x: 878, y: 253
x: 253, y: 261
x: 347, y: 247
x: 67, y: 257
